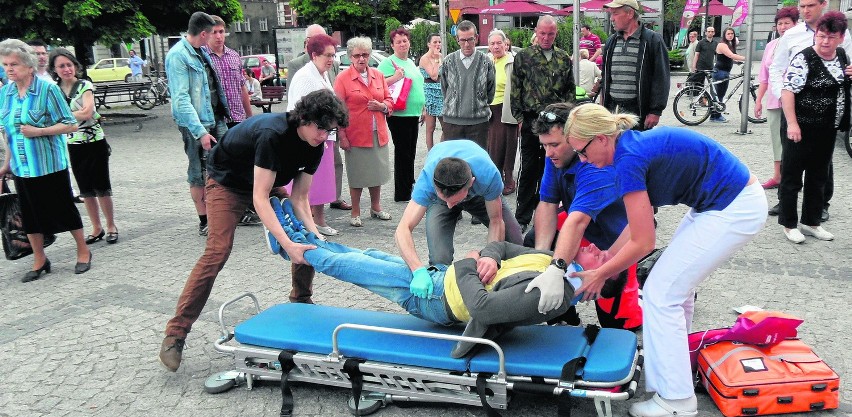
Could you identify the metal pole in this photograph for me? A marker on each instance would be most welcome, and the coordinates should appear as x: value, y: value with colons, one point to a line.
x: 442, y: 18
x: 576, y: 52
x: 747, y: 71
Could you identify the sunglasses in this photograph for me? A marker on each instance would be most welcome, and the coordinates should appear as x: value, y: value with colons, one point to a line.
x: 449, y: 188
x: 582, y: 152
x: 548, y: 117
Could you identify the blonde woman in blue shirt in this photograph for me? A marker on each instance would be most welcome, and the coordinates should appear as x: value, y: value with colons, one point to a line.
x: 36, y: 119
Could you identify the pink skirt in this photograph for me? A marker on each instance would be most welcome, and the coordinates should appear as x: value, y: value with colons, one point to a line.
x: 323, y: 187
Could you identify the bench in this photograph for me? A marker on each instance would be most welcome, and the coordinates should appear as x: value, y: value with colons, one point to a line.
x: 270, y: 95
x: 117, y: 92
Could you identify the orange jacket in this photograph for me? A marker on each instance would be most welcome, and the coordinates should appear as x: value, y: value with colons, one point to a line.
x: 350, y: 88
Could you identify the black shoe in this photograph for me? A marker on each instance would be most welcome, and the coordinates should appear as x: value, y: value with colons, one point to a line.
x: 474, y: 220
x: 249, y: 218
x: 825, y: 214
x: 34, y: 275
x: 112, y: 238
x: 202, y: 230
x: 524, y: 228
x: 774, y: 210
x: 94, y: 238
x: 82, y: 267
x: 78, y: 199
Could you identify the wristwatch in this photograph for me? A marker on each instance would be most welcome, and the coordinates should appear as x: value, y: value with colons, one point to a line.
x: 559, y: 263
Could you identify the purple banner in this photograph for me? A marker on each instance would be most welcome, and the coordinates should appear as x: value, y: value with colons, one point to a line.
x: 740, y: 13
x: 690, y: 9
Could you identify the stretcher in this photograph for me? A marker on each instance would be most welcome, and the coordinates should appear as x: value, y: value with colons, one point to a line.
x: 387, y: 357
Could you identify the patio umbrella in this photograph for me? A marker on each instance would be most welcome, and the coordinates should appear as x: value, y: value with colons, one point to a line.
x: 594, y: 6
x: 519, y: 8
x: 716, y: 9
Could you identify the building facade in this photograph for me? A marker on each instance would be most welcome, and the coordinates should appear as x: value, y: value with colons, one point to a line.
x: 254, y: 34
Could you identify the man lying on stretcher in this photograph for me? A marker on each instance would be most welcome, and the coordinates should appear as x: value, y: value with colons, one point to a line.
x: 457, y: 294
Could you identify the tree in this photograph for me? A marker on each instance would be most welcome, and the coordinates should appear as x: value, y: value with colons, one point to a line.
x: 356, y: 17
x: 82, y: 23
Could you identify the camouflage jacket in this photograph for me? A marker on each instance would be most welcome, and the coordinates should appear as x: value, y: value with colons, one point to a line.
x: 537, y: 82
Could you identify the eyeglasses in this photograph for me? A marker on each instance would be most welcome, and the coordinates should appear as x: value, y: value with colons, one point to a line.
x: 449, y: 188
x: 582, y: 152
x: 360, y: 56
x: 821, y: 37
x: 466, y: 40
x: 548, y: 117
x: 328, y: 131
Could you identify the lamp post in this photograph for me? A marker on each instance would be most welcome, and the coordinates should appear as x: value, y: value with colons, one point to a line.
x: 376, y: 43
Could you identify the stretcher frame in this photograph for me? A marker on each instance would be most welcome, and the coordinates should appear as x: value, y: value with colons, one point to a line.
x: 385, y: 383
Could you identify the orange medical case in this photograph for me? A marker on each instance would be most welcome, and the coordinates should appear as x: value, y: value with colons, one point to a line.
x: 749, y: 380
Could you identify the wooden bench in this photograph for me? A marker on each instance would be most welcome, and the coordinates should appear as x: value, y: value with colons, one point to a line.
x: 117, y: 92
x: 270, y: 95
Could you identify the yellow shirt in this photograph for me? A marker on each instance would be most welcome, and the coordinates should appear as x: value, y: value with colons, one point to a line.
x: 500, y: 79
x: 530, y: 262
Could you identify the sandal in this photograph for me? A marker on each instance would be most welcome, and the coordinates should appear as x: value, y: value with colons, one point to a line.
x: 381, y: 214
x: 327, y: 230
x: 112, y: 237
x: 356, y: 222
x: 93, y: 238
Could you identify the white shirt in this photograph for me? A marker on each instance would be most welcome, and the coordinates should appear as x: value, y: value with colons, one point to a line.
x: 794, y: 41
x: 45, y: 76
x: 307, y: 80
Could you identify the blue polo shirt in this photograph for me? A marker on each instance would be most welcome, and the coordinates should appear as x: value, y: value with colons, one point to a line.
x: 590, y: 190
x: 678, y: 166
x: 488, y: 183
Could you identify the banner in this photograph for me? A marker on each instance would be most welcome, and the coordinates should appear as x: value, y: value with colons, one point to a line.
x: 690, y: 9
x: 740, y: 13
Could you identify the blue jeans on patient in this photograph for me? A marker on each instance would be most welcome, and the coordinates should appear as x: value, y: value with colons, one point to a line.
x: 381, y: 273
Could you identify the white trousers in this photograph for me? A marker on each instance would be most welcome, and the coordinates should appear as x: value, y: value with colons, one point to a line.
x: 701, y: 243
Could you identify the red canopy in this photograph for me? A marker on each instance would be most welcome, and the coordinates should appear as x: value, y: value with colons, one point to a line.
x: 598, y: 6
x: 519, y: 8
x: 716, y: 9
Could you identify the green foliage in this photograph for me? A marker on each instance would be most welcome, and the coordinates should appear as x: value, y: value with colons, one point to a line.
x: 391, y: 24
x: 520, y: 37
x: 787, y: 3
x: 356, y: 17
x: 419, y: 33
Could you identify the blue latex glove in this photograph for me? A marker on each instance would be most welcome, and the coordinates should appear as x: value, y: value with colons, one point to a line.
x: 421, y: 283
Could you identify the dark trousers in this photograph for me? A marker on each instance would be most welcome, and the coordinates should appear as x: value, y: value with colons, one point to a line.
x: 532, y: 169
x: 811, y: 157
x: 502, y: 144
x: 224, y: 210
x: 829, y: 183
x: 403, y: 131
x: 477, y: 133
x: 721, y: 88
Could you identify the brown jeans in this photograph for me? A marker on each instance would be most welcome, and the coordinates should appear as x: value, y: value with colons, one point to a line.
x: 224, y: 209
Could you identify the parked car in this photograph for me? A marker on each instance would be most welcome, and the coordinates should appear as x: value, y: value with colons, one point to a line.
x: 255, y: 62
x: 109, y: 69
x: 375, y: 58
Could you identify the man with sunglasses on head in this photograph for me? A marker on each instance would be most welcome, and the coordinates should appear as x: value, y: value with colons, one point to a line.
x: 265, y: 151
x: 457, y: 176
x: 595, y: 217
x: 468, y: 84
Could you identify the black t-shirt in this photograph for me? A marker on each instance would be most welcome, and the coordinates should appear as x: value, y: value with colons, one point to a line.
x: 706, y: 53
x: 265, y: 141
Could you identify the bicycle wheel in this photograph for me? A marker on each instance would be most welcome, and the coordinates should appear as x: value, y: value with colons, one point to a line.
x: 692, y: 106
x: 144, y: 98
x: 847, y: 142
x: 753, y: 99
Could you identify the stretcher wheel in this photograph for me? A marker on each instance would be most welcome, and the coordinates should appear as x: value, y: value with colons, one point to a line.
x: 368, y: 404
x: 220, y: 382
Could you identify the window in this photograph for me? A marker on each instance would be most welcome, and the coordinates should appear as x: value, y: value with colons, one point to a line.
x: 237, y: 27
x: 247, y: 26
x: 248, y: 50
x: 108, y: 63
x: 262, y: 24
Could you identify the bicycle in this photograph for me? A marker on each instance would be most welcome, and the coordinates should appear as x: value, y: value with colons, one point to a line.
x: 152, y: 95
x: 693, y: 104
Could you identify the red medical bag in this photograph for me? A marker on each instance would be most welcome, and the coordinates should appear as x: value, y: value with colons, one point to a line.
x: 749, y: 380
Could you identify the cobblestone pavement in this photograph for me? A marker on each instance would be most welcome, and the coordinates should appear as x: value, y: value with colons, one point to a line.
x: 87, y: 344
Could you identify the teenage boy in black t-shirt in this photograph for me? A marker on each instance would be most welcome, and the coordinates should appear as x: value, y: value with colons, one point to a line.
x: 265, y: 151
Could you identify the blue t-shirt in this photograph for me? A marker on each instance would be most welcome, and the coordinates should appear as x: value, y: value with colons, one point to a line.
x: 488, y: 183
x: 678, y: 166
x: 590, y: 190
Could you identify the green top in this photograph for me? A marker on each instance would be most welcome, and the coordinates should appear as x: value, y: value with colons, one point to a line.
x: 416, y: 97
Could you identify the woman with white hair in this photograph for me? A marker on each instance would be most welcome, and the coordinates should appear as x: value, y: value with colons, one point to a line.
x: 502, y: 142
x: 668, y: 166
x: 36, y: 119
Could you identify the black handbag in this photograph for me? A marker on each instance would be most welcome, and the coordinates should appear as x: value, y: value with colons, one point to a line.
x: 15, y: 242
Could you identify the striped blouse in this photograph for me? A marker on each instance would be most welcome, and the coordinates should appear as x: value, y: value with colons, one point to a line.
x: 42, y: 106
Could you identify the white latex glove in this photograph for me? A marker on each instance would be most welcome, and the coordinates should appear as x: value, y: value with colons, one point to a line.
x: 552, y: 288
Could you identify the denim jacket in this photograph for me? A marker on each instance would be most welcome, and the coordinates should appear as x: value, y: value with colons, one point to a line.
x: 189, y: 89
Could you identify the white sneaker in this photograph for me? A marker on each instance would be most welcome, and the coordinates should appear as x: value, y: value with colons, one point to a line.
x: 817, y: 232
x: 327, y: 230
x: 658, y: 407
x: 794, y: 235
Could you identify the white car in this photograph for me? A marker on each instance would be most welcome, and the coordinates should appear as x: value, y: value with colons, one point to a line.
x: 375, y: 58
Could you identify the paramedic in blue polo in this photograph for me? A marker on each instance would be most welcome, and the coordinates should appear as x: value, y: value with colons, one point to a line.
x: 668, y: 166
x: 457, y: 176
x: 595, y: 212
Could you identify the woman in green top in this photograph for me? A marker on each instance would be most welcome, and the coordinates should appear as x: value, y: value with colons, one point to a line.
x: 88, y: 150
x: 403, y: 123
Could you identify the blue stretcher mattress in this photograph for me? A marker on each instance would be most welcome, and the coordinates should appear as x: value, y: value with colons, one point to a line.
x: 538, y: 351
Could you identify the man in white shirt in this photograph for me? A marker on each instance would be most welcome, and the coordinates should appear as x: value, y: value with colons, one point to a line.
x: 41, y: 53
x: 794, y: 41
